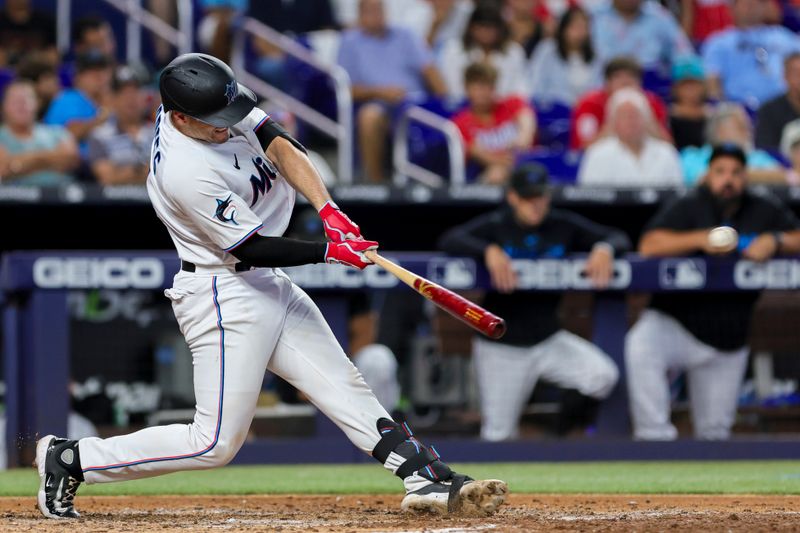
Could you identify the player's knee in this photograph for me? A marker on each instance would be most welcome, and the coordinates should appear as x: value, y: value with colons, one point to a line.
x: 607, y: 378
x: 222, y: 453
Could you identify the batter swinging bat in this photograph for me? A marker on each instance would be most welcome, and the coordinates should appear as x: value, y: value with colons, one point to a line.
x: 467, y: 312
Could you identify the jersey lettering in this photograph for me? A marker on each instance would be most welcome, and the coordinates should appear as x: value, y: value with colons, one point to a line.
x: 157, y: 140
x: 263, y: 183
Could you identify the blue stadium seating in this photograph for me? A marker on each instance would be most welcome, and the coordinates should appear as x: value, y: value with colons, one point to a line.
x: 659, y: 83
x: 553, y: 122
x: 428, y: 147
x: 562, y: 165
x: 6, y: 75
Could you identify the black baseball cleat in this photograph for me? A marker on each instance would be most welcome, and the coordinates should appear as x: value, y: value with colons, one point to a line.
x: 458, y: 495
x: 59, y: 471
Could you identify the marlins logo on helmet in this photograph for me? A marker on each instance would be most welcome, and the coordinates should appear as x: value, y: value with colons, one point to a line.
x: 230, y: 91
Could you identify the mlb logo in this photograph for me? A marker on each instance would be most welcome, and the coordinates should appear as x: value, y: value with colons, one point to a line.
x: 682, y: 274
x: 452, y: 273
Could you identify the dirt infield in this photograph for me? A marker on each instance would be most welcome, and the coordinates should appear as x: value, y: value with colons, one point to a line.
x: 607, y: 513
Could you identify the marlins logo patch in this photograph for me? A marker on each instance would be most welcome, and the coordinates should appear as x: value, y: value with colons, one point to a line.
x: 225, y: 211
x: 231, y: 91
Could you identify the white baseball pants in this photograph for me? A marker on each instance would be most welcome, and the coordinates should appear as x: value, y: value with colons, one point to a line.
x: 658, y: 347
x: 237, y: 326
x: 507, y: 374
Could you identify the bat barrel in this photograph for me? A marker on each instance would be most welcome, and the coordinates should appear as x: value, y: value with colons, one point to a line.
x: 459, y: 307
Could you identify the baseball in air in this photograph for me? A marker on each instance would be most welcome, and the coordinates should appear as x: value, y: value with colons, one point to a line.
x: 723, y: 238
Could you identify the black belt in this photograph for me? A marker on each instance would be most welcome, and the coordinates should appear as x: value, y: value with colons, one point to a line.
x: 190, y: 267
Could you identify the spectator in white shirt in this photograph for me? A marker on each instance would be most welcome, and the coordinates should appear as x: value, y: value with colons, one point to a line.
x: 566, y: 67
x: 630, y: 156
x: 443, y: 21
x: 487, y: 39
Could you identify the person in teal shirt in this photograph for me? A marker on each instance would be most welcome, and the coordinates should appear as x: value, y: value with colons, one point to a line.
x: 84, y: 107
x: 32, y: 153
x: 730, y: 123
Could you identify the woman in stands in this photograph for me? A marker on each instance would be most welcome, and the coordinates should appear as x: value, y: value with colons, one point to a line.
x: 565, y: 67
x: 487, y: 39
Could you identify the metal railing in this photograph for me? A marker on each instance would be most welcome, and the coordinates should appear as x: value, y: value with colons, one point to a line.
x: 340, y: 129
x: 405, y: 168
x: 63, y: 25
x: 137, y: 18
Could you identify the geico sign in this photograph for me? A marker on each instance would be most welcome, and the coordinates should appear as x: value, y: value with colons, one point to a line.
x: 775, y: 274
x: 340, y: 276
x: 564, y: 274
x: 85, y: 273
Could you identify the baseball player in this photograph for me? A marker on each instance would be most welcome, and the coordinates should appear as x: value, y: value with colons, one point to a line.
x: 535, y: 347
x: 223, y: 178
x: 704, y: 335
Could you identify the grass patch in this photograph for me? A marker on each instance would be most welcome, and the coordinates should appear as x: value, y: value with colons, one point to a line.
x: 679, y: 477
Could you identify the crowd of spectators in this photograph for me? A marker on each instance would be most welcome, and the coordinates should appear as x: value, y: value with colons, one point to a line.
x: 684, y: 58
x: 81, y: 116
x: 704, y: 68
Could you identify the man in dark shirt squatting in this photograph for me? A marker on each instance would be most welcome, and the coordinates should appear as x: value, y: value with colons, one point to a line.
x: 535, y: 345
x: 704, y: 335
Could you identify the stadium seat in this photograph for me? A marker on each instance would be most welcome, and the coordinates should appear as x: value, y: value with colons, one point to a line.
x: 6, y: 76
x: 562, y: 164
x: 782, y: 159
x: 427, y: 147
x: 553, y: 122
x: 659, y: 83
x: 309, y: 85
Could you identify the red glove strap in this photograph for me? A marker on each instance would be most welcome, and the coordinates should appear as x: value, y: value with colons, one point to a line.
x: 349, y: 253
x: 338, y: 227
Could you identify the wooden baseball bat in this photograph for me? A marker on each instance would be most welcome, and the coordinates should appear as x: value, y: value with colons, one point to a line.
x: 467, y: 312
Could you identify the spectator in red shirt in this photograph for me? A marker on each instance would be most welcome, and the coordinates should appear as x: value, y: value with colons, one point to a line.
x: 589, y: 112
x: 701, y: 18
x: 494, y: 129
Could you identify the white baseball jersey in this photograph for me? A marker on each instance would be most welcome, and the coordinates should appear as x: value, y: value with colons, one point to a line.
x: 212, y: 197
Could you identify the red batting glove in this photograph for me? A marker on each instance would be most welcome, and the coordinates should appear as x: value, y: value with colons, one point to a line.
x: 337, y: 226
x: 350, y: 253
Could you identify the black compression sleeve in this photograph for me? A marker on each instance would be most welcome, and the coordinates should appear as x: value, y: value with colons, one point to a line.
x: 279, y: 252
x: 269, y: 129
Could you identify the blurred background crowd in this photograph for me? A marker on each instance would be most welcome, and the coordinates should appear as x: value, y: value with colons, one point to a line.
x: 620, y: 93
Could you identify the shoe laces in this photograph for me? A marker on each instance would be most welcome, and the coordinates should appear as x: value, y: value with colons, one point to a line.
x: 70, y: 490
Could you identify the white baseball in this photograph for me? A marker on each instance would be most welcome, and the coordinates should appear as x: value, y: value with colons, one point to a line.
x: 723, y: 237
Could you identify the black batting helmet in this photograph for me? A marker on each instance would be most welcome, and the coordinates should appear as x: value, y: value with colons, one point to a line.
x: 204, y: 88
